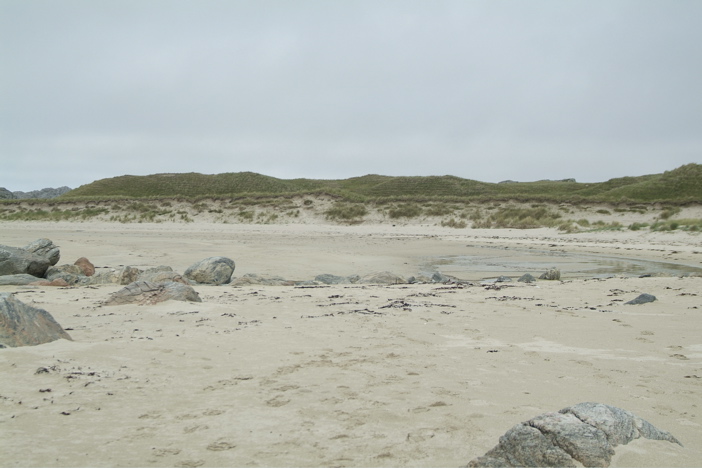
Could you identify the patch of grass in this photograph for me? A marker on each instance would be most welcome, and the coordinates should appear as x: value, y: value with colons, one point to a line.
x: 452, y: 223
x: 694, y: 225
x: 637, y: 226
x: 515, y: 217
x: 346, y: 212
x: 405, y: 210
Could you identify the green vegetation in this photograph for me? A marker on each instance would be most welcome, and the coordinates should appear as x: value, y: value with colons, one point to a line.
x: 679, y: 186
x: 517, y: 217
x: 347, y: 212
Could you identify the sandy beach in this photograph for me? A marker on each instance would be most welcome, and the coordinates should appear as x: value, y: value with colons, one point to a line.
x: 353, y: 374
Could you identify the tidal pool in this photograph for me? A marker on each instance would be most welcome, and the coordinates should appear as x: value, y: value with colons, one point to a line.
x: 515, y: 262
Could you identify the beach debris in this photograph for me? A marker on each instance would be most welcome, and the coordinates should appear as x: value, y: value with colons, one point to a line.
x: 24, y: 325
x: 526, y: 278
x: 15, y: 260
x: 86, y: 267
x: 211, y: 270
x: 553, y: 274
x: 146, y: 292
x: 642, y: 299
x: 44, y: 248
x: 586, y: 434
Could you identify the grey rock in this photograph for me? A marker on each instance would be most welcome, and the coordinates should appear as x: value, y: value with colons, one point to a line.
x: 326, y: 278
x: 24, y: 325
x: 145, y: 292
x: 212, y: 270
x: 71, y: 274
x: 45, y: 248
x: 586, y: 434
x: 438, y: 277
x: 123, y: 275
x: 18, y: 279
x: 14, y: 261
x: 642, y: 299
x: 162, y: 274
x: 553, y: 274
x: 526, y: 278
x: 383, y: 277
x: 503, y: 279
x: 254, y: 279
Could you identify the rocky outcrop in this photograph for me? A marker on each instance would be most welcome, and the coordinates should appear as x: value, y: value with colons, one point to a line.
x: 250, y: 279
x: 17, y: 280
x: 123, y: 275
x: 586, y: 433
x: 212, y: 270
x: 71, y: 274
x: 45, y: 248
x: 6, y: 194
x: 162, y: 274
x: 145, y: 292
x: 24, y: 325
x: 14, y: 261
x: 642, y: 299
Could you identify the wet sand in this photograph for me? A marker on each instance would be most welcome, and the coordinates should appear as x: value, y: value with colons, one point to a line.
x: 347, y: 375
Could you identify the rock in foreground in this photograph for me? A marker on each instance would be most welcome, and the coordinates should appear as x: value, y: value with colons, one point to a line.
x: 585, y: 433
x: 14, y: 261
x: 24, y: 325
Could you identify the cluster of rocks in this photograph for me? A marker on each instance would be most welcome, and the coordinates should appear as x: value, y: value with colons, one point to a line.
x: 581, y: 435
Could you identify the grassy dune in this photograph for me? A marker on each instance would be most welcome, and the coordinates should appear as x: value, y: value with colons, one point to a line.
x: 668, y: 201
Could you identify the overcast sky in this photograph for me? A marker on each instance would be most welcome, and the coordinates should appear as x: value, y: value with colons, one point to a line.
x: 487, y: 90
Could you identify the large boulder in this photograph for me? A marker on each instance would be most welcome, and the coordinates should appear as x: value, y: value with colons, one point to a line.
x: 145, y: 292
x: 24, y: 325
x: 15, y: 261
x: 45, y: 248
x: 586, y: 433
x: 212, y: 270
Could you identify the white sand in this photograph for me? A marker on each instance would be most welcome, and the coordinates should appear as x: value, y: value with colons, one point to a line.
x: 349, y: 375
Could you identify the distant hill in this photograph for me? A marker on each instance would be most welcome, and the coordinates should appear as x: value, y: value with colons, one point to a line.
x: 43, y: 193
x: 682, y: 185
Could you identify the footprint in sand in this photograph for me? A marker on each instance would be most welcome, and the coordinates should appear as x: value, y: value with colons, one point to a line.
x: 190, y: 463
x: 221, y: 445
